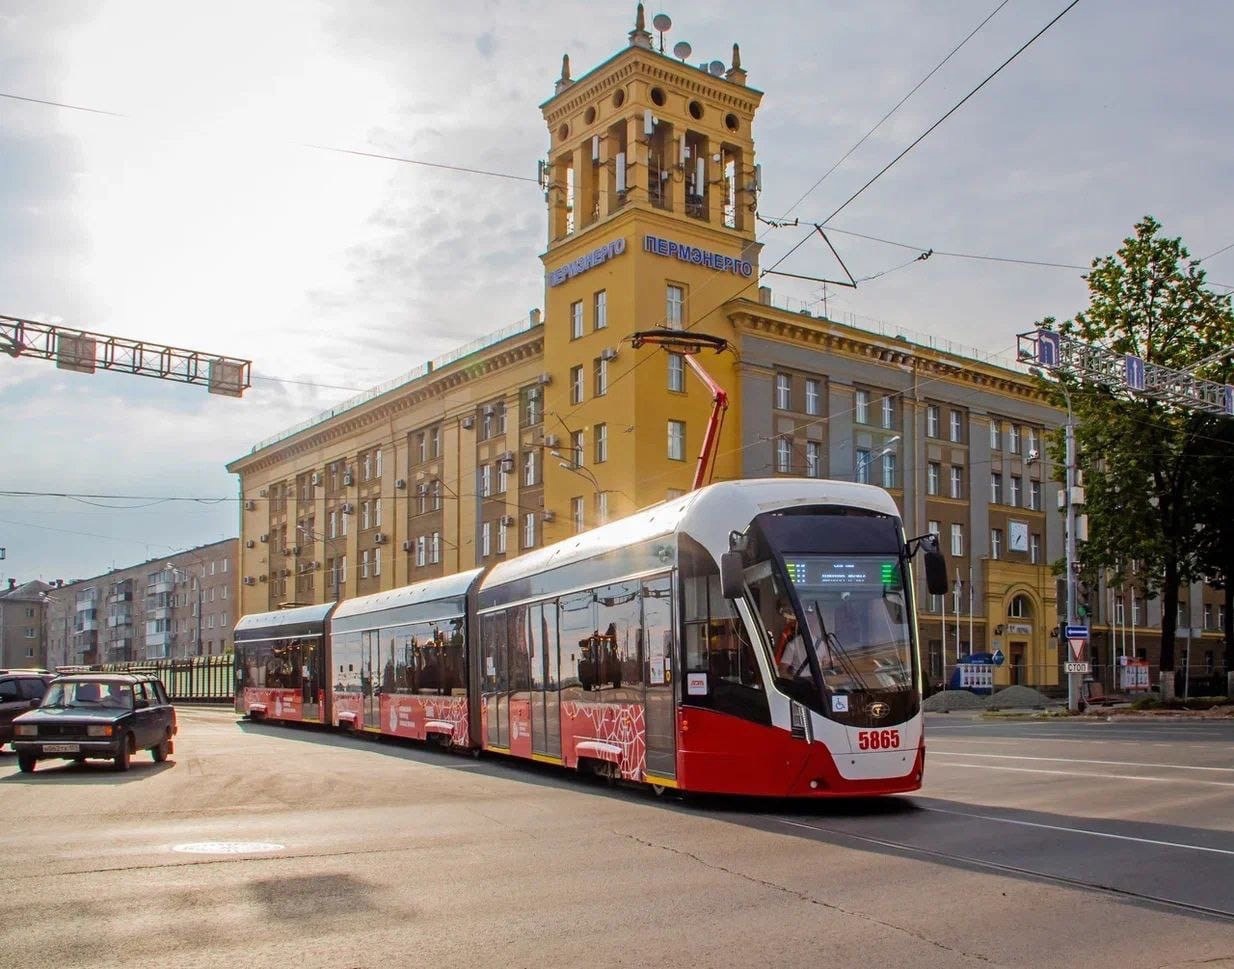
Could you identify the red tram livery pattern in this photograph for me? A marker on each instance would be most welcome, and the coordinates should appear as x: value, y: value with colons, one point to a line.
x: 752, y: 637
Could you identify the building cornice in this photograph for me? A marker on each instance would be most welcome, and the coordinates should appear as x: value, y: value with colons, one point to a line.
x: 898, y: 353
x: 396, y: 401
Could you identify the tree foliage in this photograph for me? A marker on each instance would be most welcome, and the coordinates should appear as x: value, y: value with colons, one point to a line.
x: 1140, y: 458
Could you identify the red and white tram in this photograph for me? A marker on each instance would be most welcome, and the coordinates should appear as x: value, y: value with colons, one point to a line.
x: 752, y: 637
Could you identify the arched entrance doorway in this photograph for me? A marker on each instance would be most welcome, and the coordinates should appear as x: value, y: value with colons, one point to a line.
x: 1019, y: 633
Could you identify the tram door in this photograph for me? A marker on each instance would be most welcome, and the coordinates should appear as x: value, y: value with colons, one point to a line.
x: 545, y: 722
x: 370, y: 678
x: 661, y: 719
x: 493, y: 679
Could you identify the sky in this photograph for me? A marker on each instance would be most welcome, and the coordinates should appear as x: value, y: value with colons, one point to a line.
x: 196, y: 211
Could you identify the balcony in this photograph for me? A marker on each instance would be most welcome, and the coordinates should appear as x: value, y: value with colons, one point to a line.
x: 160, y: 586
x: 86, y: 639
x: 158, y: 612
x: 118, y: 597
x: 156, y: 645
x: 87, y: 603
x: 121, y: 619
x: 86, y: 625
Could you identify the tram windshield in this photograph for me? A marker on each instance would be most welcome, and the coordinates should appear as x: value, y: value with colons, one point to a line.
x: 834, y: 603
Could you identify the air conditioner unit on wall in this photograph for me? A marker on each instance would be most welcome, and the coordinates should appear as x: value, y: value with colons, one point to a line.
x: 379, y: 539
x: 400, y: 483
x: 263, y: 492
x: 249, y: 580
x: 608, y: 353
x: 250, y: 506
x: 348, y: 477
x: 548, y: 515
x: 346, y: 508
x: 422, y: 489
x: 315, y: 478
x: 551, y: 440
x: 468, y: 422
x: 507, y: 519
x: 544, y: 379
x: 250, y: 544
x: 261, y: 578
x: 408, y: 545
x: 265, y: 538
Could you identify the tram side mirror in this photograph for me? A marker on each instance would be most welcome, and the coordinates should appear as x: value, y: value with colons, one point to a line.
x: 936, y: 571
x: 732, y: 575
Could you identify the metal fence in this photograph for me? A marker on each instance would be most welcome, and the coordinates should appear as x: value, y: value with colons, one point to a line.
x: 200, y: 679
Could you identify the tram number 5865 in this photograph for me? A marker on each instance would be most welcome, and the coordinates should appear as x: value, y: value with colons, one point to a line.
x: 878, y: 739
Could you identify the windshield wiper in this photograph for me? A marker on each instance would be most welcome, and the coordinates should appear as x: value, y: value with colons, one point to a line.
x: 837, y: 650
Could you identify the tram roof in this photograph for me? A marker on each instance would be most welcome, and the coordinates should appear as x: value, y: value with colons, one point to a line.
x: 447, y: 587
x: 284, y: 617
x: 709, y: 513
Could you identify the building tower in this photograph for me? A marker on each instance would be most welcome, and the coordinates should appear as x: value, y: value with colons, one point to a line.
x: 651, y: 189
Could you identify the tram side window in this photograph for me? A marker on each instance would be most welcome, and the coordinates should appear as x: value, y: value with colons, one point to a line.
x: 520, y: 652
x: 617, y: 639
x: 276, y: 664
x: 716, y: 641
x: 574, y: 619
x: 493, y: 636
x: 346, y: 673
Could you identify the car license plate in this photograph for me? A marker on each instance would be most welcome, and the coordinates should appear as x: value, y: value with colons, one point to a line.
x: 61, y: 748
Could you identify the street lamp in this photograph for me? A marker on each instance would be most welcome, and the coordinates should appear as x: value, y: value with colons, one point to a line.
x: 1073, y: 679
x: 194, y: 583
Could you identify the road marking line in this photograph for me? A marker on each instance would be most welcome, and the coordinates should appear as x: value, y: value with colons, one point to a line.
x: 1077, y: 760
x: 1087, y: 775
x: 1095, y: 834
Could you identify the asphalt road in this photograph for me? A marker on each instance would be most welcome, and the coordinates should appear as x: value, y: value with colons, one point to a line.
x: 1033, y: 844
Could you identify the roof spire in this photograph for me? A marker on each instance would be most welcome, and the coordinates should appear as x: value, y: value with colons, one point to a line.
x: 736, y: 73
x: 565, y: 80
x: 639, y: 37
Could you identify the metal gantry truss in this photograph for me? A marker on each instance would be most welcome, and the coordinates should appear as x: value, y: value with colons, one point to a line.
x: 1103, y: 367
x: 85, y: 352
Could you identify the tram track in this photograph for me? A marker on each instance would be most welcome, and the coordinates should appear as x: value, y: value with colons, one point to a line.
x: 1016, y: 870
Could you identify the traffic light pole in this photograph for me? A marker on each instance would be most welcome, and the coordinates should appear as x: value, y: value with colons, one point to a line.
x: 1073, y: 679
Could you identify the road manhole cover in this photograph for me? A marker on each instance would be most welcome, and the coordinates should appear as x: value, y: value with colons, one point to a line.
x: 227, y: 847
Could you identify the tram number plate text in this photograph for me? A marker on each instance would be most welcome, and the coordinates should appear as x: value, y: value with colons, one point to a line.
x: 878, y: 739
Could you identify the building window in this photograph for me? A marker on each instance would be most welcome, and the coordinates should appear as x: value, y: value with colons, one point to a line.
x: 784, y: 397
x: 784, y: 455
x: 531, y: 406
x: 862, y: 471
x: 502, y: 532
x: 576, y: 514
x: 861, y: 407
x: 364, y: 563
x: 995, y: 438
x: 676, y: 372
x: 434, y: 442
x: 1017, y: 487
x: 1034, y: 548
x: 500, y: 409
x: 421, y: 443
x: 957, y: 481
x: 364, y: 515
x: 601, y: 435
x: 889, y: 470
x: 436, y: 495
x: 435, y: 548
x: 377, y: 461
x: 814, y: 459
x: 957, y: 427
x: 889, y: 412
x: 677, y: 440
x: 529, y: 530
x: 333, y: 523
x: 576, y: 385
x: 377, y: 561
x: 367, y: 466
x: 812, y: 398
x: 1034, y: 495
x: 1013, y: 438
x: 600, y: 310
x: 935, y: 528
x: 486, y: 539
x: 486, y: 480
x: 996, y: 488
x: 601, y: 371
x: 530, y: 469
x: 503, y: 475
x: 1030, y: 441
x: 576, y: 319
x: 576, y: 448
x: 601, y: 507
x: 1208, y: 615
x: 996, y: 543
x: 674, y: 308
x: 421, y: 550
x: 957, y: 539
x: 934, y: 475
x: 932, y: 418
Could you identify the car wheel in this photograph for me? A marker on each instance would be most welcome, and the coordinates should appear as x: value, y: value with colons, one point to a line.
x: 122, y: 758
x: 26, y: 762
x: 160, y: 750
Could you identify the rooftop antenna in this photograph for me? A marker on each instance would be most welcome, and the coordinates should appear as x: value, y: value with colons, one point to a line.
x: 716, y: 68
x: 682, y: 50
x: 663, y: 23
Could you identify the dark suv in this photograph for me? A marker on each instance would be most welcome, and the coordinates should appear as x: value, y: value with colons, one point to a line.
x: 109, y: 715
x: 19, y: 691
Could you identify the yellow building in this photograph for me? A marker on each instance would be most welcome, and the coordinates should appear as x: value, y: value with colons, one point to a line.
x: 559, y: 422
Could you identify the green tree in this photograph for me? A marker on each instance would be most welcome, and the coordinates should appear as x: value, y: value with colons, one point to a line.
x: 1140, y: 457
